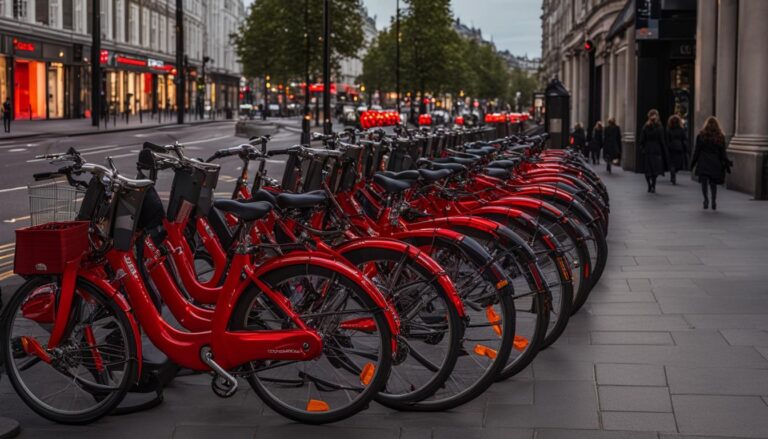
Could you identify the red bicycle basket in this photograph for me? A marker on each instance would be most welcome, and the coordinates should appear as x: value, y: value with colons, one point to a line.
x: 46, y: 248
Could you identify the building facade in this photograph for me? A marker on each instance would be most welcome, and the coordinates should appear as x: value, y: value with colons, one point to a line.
x: 351, y: 68
x: 45, y: 54
x: 693, y: 58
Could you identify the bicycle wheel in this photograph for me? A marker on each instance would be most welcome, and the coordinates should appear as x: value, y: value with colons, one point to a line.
x: 87, y: 375
x: 531, y: 304
x: 357, y: 349
x: 489, y: 328
x: 430, y: 324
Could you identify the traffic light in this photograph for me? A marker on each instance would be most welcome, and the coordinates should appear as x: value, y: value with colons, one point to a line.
x: 589, y: 46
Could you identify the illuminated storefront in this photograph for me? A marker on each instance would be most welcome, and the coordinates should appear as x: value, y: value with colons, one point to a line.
x: 38, y: 76
x: 134, y: 83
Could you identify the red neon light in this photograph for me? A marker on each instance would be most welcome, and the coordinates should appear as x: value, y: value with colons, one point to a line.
x: 165, y: 68
x: 104, y: 56
x: 23, y: 46
x: 131, y: 61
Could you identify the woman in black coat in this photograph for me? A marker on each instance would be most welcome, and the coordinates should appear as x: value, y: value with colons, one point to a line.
x: 579, y: 139
x: 677, y: 145
x: 611, y: 143
x: 596, y: 143
x: 710, y: 160
x: 653, y: 149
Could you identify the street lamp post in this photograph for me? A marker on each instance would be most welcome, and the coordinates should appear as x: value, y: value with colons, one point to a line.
x: 181, y: 74
x: 397, y: 56
x: 95, y: 62
x: 327, y: 125
x: 307, y: 111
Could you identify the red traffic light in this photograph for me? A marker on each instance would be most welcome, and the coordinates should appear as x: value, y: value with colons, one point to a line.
x: 588, y: 45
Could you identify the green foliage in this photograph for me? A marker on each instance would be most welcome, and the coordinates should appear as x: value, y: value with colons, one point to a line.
x: 524, y: 83
x: 436, y: 60
x: 272, y: 41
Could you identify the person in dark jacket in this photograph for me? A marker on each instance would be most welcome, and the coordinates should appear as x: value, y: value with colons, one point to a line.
x: 611, y: 143
x: 596, y: 143
x: 677, y: 145
x: 579, y: 139
x: 709, y: 159
x: 653, y: 149
x: 7, y: 115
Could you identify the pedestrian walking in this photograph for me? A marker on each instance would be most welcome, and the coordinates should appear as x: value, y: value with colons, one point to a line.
x: 677, y: 145
x: 579, y: 139
x: 611, y: 143
x: 653, y: 149
x: 7, y: 115
x: 596, y: 143
x: 709, y: 161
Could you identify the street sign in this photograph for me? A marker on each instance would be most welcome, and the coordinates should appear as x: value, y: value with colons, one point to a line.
x: 647, y: 15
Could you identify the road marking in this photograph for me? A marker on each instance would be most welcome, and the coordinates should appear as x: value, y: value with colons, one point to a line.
x: 6, y: 275
x: 5, y: 264
x: 9, y: 255
x: 13, y: 220
x: 10, y: 244
x: 207, y: 140
x: 17, y: 150
x: 2, y: 191
x: 123, y: 155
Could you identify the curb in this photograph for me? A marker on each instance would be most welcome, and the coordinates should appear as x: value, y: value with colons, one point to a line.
x: 108, y: 131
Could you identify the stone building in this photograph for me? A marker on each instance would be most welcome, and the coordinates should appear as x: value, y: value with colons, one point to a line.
x: 694, y: 58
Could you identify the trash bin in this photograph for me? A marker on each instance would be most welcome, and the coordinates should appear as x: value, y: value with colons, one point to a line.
x: 228, y: 113
x: 558, y: 111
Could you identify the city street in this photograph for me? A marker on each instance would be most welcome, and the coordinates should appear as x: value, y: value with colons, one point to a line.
x: 672, y: 342
x: 19, y: 164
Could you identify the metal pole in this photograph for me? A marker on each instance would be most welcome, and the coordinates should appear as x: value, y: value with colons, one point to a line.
x: 305, y: 121
x: 95, y: 62
x: 397, y: 56
x: 327, y: 125
x: 181, y: 74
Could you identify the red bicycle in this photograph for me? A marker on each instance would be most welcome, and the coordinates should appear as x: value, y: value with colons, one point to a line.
x: 70, y: 334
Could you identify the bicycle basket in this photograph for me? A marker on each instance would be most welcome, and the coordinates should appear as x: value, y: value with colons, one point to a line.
x: 46, y: 248
x: 53, y: 201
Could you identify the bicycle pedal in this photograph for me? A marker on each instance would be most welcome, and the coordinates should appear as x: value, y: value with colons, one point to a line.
x: 223, y: 384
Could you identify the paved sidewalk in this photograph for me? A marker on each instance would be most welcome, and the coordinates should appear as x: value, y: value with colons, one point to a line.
x: 672, y: 343
x: 21, y: 129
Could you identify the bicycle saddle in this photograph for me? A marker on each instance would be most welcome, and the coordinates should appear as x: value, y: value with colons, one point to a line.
x: 242, y: 210
x: 503, y: 164
x: 390, y: 185
x: 460, y: 160
x: 410, y: 174
x: 301, y: 201
x: 480, y: 151
x: 453, y: 167
x: 264, y: 195
x: 497, y: 172
x: 429, y: 176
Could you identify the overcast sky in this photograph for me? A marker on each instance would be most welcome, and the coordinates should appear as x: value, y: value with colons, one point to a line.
x: 514, y: 24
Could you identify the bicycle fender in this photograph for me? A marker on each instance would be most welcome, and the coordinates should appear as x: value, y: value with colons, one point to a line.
x: 423, y: 259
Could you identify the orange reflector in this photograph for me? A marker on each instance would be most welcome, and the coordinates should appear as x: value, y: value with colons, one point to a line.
x: 315, y: 405
x: 485, y: 351
x: 493, y: 319
x: 520, y: 343
x: 502, y: 284
x: 366, y: 375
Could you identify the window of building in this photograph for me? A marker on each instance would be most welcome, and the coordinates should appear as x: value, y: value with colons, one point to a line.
x: 153, y: 32
x: 41, y: 12
x: 172, y: 35
x: 144, y: 27
x: 163, y: 34
x: 80, y: 18
x: 21, y: 10
x: 133, y: 24
x: 119, y: 21
x: 54, y: 13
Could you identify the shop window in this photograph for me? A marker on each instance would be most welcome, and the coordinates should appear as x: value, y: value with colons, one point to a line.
x: 29, y: 89
x: 3, y: 79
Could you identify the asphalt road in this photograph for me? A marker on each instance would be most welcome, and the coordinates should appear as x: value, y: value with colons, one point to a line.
x: 18, y: 164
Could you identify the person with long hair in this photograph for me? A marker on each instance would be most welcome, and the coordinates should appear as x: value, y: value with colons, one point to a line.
x: 579, y: 139
x: 677, y: 145
x: 596, y: 143
x: 653, y: 149
x: 611, y: 143
x: 709, y: 159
